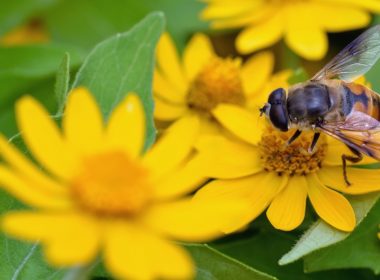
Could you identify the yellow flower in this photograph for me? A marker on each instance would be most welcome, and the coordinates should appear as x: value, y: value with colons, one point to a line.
x: 29, y: 33
x: 280, y: 178
x: 97, y: 192
x: 203, y: 84
x: 303, y: 24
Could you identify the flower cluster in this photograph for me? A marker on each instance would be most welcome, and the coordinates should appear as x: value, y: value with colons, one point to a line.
x: 94, y: 182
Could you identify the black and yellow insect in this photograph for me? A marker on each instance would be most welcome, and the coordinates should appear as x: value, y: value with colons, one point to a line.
x: 330, y: 102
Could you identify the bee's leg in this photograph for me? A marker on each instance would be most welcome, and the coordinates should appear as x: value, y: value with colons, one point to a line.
x: 314, y: 142
x: 354, y: 159
x: 294, y: 137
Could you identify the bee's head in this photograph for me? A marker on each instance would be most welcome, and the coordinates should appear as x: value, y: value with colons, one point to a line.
x: 275, y: 109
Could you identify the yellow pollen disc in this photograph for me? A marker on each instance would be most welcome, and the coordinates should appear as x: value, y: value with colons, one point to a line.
x: 218, y: 82
x: 111, y: 184
x: 294, y: 158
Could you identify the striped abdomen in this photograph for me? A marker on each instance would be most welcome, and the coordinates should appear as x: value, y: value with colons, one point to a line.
x: 361, y: 98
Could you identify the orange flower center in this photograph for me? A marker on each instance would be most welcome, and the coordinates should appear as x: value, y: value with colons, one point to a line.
x: 291, y: 159
x: 218, y: 82
x: 111, y: 184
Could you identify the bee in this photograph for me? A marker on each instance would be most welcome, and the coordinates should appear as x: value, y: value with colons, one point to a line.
x: 331, y: 103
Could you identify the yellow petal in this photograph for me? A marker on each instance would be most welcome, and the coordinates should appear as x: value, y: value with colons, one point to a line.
x: 133, y: 253
x: 370, y: 5
x: 228, y: 9
x: 362, y: 180
x: 337, y: 19
x: 256, y: 71
x: 168, y: 111
x: 82, y: 122
x: 197, y: 53
x: 287, y: 210
x: 183, y: 180
x: 191, y: 221
x: 165, y: 91
x: 261, y: 35
x: 29, y: 194
x: 126, y: 127
x: 244, y: 124
x: 43, y: 138
x: 307, y: 39
x: 335, y: 150
x: 218, y: 157
x: 171, y: 150
x: 168, y: 62
x: 249, y: 17
x: 68, y: 239
x: 27, y: 170
x: 331, y: 206
x: 258, y: 190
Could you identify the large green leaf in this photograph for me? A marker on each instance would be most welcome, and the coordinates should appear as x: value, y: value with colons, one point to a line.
x: 213, y: 265
x: 94, y: 20
x: 360, y: 250
x: 124, y: 63
x: 321, y: 235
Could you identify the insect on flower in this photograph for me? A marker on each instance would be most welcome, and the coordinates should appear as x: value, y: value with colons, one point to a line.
x: 331, y: 103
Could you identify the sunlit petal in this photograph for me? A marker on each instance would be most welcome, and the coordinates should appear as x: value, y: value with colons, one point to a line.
x: 331, y: 206
x: 43, y: 138
x: 170, y: 150
x: 133, y: 253
x: 287, y: 210
x: 258, y: 190
x: 126, y: 126
x: 239, y: 121
x: 362, y: 180
x: 60, y: 233
x: 197, y: 53
x: 82, y: 122
x: 220, y: 157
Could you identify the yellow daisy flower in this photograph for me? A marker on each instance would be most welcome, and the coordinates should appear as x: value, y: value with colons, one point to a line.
x: 29, y: 33
x: 97, y: 192
x: 302, y: 24
x: 202, y: 83
x: 280, y: 178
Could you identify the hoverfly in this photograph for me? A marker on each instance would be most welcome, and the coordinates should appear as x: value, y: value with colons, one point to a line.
x: 330, y: 102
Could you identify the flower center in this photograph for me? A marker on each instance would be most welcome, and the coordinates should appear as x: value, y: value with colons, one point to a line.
x: 290, y: 159
x: 111, y: 184
x: 218, y: 82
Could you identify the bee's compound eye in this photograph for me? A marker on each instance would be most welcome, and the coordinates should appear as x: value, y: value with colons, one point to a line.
x: 278, y: 113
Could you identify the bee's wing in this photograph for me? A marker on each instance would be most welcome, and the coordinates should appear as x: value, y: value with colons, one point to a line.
x: 359, y: 131
x: 355, y: 59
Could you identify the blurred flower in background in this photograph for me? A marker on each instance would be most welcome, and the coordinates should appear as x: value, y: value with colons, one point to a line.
x: 97, y: 193
x: 221, y: 92
x: 30, y: 33
x: 302, y: 24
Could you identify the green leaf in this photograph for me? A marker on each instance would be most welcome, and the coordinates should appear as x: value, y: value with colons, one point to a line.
x: 359, y: 250
x: 212, y: 264
x: 260, y: 247
x: 21, y: 260
x: 13, y: 13
x: 299, y: 76
x: 105, y: 18
x: 124, y: 63
x: 321, y: 235
x: 62, y: 82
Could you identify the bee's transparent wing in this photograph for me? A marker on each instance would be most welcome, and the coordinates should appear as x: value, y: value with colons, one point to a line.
x: 355, y: 59
x: 359, y: 131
